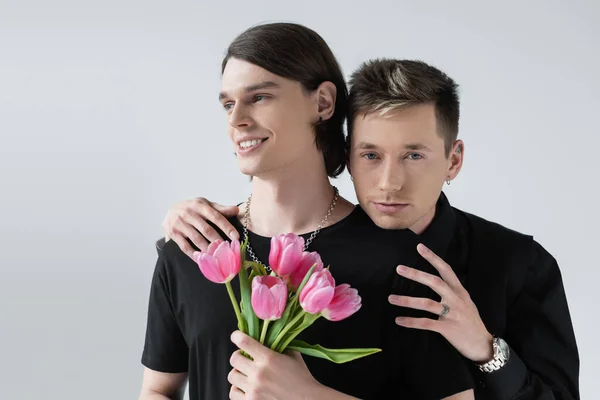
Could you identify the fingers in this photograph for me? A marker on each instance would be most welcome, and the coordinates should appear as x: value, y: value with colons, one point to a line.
x: 440, y: 265
x: 184, y: 245
x: 238, y: 380
x: 215, y: 215
x: 228, y: 211
x: 417, y: 303
x: 426, y: 324
x: 236, y: 394
x: 190, y: 219
x: 201, y: 228
x: 240, y: 362
x: 191, y: 233
x: 434, y: 282
x: 244, y: 342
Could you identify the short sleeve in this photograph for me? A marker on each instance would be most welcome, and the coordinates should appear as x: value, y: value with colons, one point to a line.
x: 165, y: 348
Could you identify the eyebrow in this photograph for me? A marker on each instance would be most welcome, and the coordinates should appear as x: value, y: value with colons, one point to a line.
x: 366, y: 146
x: 410, y: 146
x: 416, y: 146
x: 253, y: 88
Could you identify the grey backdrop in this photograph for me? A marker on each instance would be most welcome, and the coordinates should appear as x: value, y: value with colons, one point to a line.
x: 109, y: 114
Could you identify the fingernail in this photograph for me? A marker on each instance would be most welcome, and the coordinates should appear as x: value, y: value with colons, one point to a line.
x: 234, y: 235
x: 401, y: 269
x: 423, y: 247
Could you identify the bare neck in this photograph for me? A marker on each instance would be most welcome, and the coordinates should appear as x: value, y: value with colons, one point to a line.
x: 294, y: 201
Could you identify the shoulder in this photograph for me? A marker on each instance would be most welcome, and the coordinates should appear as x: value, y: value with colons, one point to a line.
x: 542, y: 262
x: 511, y: 242
x: 171, y: 259
x: 494, y: 232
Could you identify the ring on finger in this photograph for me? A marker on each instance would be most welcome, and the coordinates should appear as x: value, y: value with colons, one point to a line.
x: 445, y: 310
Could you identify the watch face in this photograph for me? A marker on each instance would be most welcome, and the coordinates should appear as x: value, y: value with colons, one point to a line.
x: 503, y: 348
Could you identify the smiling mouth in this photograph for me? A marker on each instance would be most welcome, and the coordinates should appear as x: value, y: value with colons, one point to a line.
x: 249, y: 144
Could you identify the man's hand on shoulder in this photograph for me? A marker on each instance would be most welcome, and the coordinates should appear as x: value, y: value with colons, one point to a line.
x: 189, y: 220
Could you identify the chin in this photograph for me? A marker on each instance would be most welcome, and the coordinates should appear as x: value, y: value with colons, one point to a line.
x: 250, y: 169
x: 386, y: 221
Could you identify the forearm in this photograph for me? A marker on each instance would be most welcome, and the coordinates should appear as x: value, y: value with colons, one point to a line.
x: 162, y: 386
x: 515, y: 381
x: 466, y: 395
x: 159, y: 396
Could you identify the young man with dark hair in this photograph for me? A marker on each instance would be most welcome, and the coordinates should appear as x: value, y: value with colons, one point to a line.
x: 284, y: 97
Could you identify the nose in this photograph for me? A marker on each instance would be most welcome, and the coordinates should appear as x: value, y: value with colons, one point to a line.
x: 392, y: 177
x: 239, y: 117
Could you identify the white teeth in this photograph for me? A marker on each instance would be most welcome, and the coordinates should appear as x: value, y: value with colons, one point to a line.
x: 249, y: 143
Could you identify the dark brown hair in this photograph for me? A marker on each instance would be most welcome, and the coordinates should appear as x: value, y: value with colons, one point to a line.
x: 384, y: 85
x: 298, y: 53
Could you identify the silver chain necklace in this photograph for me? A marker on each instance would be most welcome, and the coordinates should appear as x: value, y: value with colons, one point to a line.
x: 306, y: 244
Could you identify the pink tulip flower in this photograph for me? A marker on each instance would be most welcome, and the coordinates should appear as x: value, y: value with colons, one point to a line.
x: 306, y: 263
x: 318, y: 292
x: 345, y: 302
x: 221, y: 262
x: 269, y: 297
x: 286, y: 253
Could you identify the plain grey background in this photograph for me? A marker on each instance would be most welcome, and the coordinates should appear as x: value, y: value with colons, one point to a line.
x: 109, y: 115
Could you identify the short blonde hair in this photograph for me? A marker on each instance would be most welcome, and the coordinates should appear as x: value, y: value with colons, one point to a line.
x: 384, y: 85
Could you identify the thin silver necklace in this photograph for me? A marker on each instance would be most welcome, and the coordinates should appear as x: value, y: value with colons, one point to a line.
x: 308, y: 241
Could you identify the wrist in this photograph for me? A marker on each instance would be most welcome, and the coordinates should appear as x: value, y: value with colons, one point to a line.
x: 501, y: 356
x: 486, y: 350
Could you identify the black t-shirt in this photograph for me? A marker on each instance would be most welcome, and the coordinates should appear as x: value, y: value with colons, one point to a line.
x: 190, y: 320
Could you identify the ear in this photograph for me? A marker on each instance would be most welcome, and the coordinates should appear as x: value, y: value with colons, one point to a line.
x: 326, y: 95
x: 455, y: 159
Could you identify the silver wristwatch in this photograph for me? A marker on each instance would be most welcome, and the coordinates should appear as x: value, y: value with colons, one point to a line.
x: 501, y: 355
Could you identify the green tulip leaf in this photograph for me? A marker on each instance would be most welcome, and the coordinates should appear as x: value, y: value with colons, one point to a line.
x: 338, y: 356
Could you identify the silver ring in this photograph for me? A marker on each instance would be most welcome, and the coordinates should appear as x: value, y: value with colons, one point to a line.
x: 445, y: 310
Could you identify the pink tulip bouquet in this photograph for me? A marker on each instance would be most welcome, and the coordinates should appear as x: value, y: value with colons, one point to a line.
x: 275, y: 308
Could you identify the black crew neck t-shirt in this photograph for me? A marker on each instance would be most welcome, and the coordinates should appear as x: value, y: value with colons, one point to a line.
x: 190, y: 320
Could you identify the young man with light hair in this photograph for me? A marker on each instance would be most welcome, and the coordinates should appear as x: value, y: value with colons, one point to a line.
x: 499, y: 296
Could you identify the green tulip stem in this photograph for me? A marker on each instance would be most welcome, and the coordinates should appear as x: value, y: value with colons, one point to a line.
x: 286, y: 329
x: 236, y: 307
x: 263, y: 334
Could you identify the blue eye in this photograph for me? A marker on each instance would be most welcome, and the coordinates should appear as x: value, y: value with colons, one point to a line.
x: 259, y: 98
x: 415, y: 156
x: 370, y: 156
x: 228, y: 106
